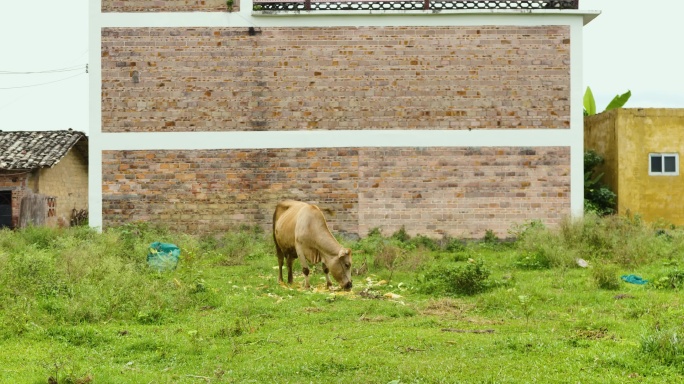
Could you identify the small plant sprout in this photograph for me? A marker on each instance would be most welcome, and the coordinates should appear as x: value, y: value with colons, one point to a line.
x: 526, y: 307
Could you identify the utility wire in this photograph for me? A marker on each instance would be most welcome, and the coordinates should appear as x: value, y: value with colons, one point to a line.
x: 58, y: 70
x: 49, y: 82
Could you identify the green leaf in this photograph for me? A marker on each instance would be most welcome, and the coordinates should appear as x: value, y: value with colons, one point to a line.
x: 619, y: 100
x: 589, y: 103
x: 597, y: 178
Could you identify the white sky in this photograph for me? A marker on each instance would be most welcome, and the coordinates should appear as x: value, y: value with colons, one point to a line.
x: 633, y: 45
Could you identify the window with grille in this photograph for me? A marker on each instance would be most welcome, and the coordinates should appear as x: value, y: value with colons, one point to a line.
x: 663, y: 164
x: 51, y: 206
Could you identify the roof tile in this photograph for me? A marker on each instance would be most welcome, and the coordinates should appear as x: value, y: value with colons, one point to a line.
x: 35, y: 149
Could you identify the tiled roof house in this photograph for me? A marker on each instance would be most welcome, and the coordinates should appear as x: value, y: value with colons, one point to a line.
x: 44, y: 168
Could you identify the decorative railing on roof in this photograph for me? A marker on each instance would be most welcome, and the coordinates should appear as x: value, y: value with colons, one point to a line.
x: 403, y: 5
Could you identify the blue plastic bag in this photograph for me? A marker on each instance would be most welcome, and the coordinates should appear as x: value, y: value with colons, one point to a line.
x: 163, y: 256
x: 633, y: 279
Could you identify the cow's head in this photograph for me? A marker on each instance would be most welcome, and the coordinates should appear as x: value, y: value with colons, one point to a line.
x: 340, y: 268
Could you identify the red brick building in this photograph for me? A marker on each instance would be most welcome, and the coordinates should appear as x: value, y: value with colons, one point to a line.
x: 449, y: 120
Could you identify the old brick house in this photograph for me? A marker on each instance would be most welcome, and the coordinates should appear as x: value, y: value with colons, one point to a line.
x: 448, y: 117
x: 44, y: 172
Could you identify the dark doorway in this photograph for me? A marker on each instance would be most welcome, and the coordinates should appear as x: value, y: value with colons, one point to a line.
x: 6, y: 209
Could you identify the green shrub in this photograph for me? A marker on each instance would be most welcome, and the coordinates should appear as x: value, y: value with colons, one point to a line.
x: 606, y: 276
x: 454, y: 245
x: 670, y: 279
x: 490, y: 237
x: 598, y: 198
x: 388, y: 256
x: 538, y: 259
x: 374, y: 232
x: 401, y: 235
x: 464, y: 279
x: 421, y: 241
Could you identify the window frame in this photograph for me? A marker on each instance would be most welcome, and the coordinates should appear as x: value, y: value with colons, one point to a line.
x: 662, y: 156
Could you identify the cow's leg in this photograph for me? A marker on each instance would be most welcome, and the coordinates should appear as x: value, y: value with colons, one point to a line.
x: 290, y: 261
x: 305, y: 265
x: 281, y: 256
x: 328, y: 283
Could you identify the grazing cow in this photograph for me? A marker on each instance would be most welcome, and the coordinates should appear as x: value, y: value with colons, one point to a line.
x: 300, y: 230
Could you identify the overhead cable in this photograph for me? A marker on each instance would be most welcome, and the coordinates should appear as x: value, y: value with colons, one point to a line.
x: 49, y: 82
x: 57, y: 70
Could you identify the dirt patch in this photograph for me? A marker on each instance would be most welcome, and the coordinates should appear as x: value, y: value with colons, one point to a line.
x: 592, y: 334
x: 467, y: 330
x: 447, y: 307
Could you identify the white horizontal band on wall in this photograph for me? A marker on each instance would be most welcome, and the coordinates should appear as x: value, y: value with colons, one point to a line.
x: 336, y: 139
x: 245, y: 18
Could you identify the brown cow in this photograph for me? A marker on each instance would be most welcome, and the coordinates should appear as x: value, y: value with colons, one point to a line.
x: 300, y: 230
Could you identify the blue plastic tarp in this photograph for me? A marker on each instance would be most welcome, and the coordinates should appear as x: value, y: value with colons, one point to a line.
x: 633, y: 279
x: 163, y: 256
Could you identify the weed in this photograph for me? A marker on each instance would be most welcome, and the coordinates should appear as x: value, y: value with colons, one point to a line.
x: 454, y: 245
x: 525, y: 306
x: 533, y: 260
x: 401, y: 235
x: 670, y: 279
x: 519, y: 231
x: 490, y: 237
x: 664, y: 345
x: 606, y: 276
x: 465, y: 279
x: 374, y: 232
x: 388, y: 257
x: 421, y: 241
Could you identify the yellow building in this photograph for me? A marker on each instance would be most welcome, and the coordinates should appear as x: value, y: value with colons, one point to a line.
x: 642, y: 148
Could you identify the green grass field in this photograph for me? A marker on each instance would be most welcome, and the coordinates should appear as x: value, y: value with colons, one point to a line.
x: 79, y: 306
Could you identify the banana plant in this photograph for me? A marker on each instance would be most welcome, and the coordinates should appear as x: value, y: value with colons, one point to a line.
x: 590, y: 104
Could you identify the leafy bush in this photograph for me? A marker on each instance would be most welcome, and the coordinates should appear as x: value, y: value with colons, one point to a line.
x: 598, y: 198
x: 606, y: 276
x: 490, y: 237
x: 465, y: 279
x: 454, y: 245
x: 533, y: 260
x: 421, y: 241
x: 671, y: 279
x: 401, y: 235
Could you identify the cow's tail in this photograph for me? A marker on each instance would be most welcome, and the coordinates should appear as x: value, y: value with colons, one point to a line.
x: 276, y: 214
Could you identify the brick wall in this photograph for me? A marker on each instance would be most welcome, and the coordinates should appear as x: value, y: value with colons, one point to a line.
x: 168, y: 6
x: 17, y: 182
x: 458, y: 191
x: 293, y: 78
